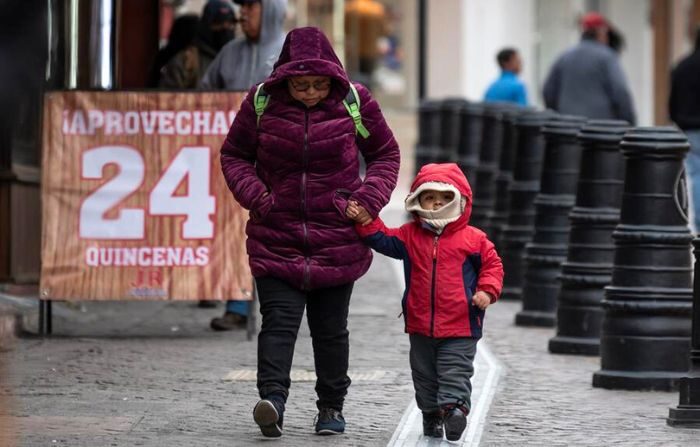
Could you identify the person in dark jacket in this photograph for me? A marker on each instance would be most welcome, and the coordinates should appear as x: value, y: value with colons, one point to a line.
x: 182, y: 35
x: 684, y: 108
x: 453, y: 273
x: 587, y: 80
x: 216, y: 28
x: 295, y: 167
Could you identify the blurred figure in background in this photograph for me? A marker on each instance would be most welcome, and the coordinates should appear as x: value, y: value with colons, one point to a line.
x: 244, y: 62
x: 365, y: 24
x: 684, y: 109
x: 508, y: 87
x: 587, y: 80
x: 216, y: 28
x: 248, y: 60
x: 616, y: 40
x: 182, y: 35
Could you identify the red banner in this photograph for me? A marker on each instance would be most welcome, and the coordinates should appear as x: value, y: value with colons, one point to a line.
x: 134, y: 202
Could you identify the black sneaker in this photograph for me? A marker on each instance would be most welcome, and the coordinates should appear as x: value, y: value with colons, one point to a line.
x: 229, y: 322
x: 269, y: 414
x: 329, y: 421
x: 455, y: 423
x: 207, y: 304
x: 432, y: 424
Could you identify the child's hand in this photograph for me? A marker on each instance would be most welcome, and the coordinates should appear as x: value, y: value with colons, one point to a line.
x: 481, y: 300
x: 357, y: 213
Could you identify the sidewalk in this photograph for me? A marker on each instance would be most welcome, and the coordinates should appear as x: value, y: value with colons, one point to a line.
x: 153, y: 373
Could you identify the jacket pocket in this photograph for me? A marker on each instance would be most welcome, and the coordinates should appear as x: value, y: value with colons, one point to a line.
x: 262, y: 208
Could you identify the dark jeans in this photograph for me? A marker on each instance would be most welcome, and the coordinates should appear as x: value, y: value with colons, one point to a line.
x: 282, y: 308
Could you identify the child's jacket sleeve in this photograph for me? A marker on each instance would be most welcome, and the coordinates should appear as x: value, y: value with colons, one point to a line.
x: 387, y: 241
x: 491, y: 272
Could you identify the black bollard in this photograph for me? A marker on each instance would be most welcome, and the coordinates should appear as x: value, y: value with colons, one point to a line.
x: 499, y: 217
x: 523, y: 190
x: 588, y: 266
x: 428, y: 148
x: 687, y: 414
x: 472, y: 115
x: 546, y: 252
x: 450, y: 122
x: 489, y: 155
x: 645, y: 335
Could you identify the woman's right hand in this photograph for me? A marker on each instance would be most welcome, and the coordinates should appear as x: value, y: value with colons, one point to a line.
x: 263, y: 206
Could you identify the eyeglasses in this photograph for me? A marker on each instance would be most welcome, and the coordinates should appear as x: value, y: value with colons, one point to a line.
x: 320, y: 86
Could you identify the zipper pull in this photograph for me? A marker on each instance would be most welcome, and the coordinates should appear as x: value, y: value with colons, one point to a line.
x: 435, y: 244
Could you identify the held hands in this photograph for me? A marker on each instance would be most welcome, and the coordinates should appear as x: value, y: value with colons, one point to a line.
x: 481, y: 300
x: 357, y: 213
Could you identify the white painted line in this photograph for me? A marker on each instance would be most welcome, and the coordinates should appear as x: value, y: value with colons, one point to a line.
x: 398, y: 439
x: 477, y: 419
x: 410, y: 428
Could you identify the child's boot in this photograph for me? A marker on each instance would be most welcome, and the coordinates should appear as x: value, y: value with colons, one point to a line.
x: 432, y: 424
x: 455, y: 422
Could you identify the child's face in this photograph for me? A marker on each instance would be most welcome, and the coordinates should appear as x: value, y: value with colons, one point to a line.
x: 309, y: 89
x: 434, y: 200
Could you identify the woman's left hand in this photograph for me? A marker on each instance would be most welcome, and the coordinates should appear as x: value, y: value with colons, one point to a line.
x: 357, y: 213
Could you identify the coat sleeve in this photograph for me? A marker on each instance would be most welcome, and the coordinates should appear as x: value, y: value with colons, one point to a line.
x: 550, y: 91
x: 521, y: 95
x: 173, y: 74
x: 387, y: 241
x: 619, y: 93
x: 491, y: 272
x: 238, y: 157
x: 211, y: 79
x: 381, y: 152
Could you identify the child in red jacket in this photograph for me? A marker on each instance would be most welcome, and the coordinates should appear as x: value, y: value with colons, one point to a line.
x: 452, y: 274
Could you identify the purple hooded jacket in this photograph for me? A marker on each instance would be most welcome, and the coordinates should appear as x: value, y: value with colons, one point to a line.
x: 308, y: 161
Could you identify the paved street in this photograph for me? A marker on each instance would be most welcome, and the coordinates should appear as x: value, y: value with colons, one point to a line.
x: 123, y: 374
x: 153, y: 373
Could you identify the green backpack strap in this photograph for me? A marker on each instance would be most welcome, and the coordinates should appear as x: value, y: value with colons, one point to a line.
x: 352, y: 105
x: 260, y: 101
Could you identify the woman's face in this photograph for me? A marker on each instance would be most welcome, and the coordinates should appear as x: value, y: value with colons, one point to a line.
x: 309, y: 89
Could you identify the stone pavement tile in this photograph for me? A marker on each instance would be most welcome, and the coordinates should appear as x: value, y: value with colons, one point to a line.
x: 546, y: 399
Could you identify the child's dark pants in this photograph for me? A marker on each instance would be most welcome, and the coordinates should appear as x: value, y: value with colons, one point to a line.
x: 282, y: 308
x: 441, y: 370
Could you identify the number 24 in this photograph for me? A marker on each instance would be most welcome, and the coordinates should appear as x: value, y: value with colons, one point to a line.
x: 192, y: 162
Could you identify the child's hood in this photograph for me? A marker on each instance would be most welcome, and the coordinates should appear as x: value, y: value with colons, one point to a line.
x: 451, y: 174
x: 307, y: 52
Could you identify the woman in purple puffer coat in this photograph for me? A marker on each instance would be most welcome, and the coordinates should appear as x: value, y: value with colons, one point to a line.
x: 295, y: 167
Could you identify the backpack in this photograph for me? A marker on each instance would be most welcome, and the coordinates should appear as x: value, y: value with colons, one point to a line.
x: 351, y: 103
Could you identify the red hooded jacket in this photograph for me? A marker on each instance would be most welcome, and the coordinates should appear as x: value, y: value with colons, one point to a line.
x: 442, y: 271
